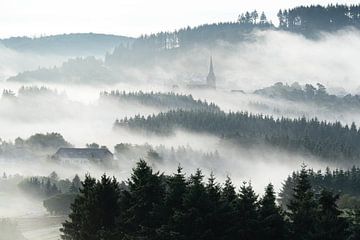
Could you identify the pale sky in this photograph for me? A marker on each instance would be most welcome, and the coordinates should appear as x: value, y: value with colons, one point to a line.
x: 127, y: 17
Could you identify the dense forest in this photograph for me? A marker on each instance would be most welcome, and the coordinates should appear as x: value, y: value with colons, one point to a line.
x: 307, y: 20
x: 343, y: 182
x: 310, y: 94
x: 310, y: 20
x: 332, y: 141
x: 164, y: 101
x: 156, y: 206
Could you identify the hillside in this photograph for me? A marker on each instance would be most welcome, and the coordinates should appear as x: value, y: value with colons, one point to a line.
x: 75, y: 44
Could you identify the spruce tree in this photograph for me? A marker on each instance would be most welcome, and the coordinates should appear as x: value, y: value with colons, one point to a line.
x: 229, y: 214
x: 176, y: 189
x: 302, y: 209
x: 94, y: 212
x: 247, y: 213
x: 143, y: 202
x: 191, y: 223
x: 271, y: 220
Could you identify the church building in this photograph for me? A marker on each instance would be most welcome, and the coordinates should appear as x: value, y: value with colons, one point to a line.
x: 210, y: 80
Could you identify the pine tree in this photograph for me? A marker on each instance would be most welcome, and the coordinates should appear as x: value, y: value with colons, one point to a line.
x: 176, y: 189
x: 75, y: 185
x: 302, y: 209
x: 143, y: 202
x: 191, y: 223
x: 247, y: 211
x: 229, y: 214
x: 94, y: 212
x: 271, y: 220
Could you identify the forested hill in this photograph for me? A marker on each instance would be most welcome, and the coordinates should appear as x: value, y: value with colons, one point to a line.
x: 307, y: 20
x: 310, y: 94
x: 327, y: 140
x: 164, y: 101
x: 310, y: 20
x: 77, y: 44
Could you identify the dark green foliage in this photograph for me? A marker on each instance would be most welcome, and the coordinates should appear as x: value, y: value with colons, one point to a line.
x: 143, y: 202
x: 60, y: 203
x: 159, y: 207
x: 95, y: 211
x: 331, y: 141
x: 302, y: 209
x: 270, y: 218
x: 346, y: 183
x: 248, y: 215
x: 164, y: 101
x: 330, y: 225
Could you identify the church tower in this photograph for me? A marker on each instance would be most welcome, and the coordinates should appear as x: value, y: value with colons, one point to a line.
x: 211, y: 79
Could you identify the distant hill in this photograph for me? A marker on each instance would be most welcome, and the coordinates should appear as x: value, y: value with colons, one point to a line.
x: 78, y: 70
x: 308, y: 93
x: 75, y: 44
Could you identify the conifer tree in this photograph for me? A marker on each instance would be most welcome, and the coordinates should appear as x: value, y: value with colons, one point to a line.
x: 271, y: 220
x: 95, y: 211
x: 247, y: 213
x: 143, y: 202
x: 302, y: 209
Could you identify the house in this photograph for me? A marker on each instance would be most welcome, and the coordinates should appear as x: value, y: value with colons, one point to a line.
x: 83, y: 155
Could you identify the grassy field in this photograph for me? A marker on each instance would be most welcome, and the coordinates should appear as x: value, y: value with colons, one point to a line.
x: 40, y: 228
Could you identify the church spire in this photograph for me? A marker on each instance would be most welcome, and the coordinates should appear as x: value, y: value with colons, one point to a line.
x: 211, y: 79
x: 211, y: 66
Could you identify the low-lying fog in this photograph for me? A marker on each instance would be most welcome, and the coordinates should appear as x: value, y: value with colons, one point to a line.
x: 77, y: 113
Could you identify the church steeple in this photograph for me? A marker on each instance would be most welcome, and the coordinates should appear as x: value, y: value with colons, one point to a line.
x: 211, y: 79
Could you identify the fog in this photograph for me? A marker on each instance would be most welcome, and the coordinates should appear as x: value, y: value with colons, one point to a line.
x: 77, y: 112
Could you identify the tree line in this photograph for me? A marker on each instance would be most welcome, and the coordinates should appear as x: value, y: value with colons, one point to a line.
x: 346, y: 183
x: 331, y: 141
x: 157, y: 206
x: 307, y: 20
x: 158, y: 154
x: 311, y: 94
x: 164, y: 101
x: 310, y: 20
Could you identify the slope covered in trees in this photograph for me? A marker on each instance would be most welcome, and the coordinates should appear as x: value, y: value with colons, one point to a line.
x: 76, y: 44
x: 156, y: 206
x: 164, y: 101
x: 78, y: 70
x: 310, y: 94
x: 324, y: 139
x: 310, y: 20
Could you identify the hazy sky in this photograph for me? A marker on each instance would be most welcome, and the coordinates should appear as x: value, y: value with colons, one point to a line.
x: 127, y: 17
